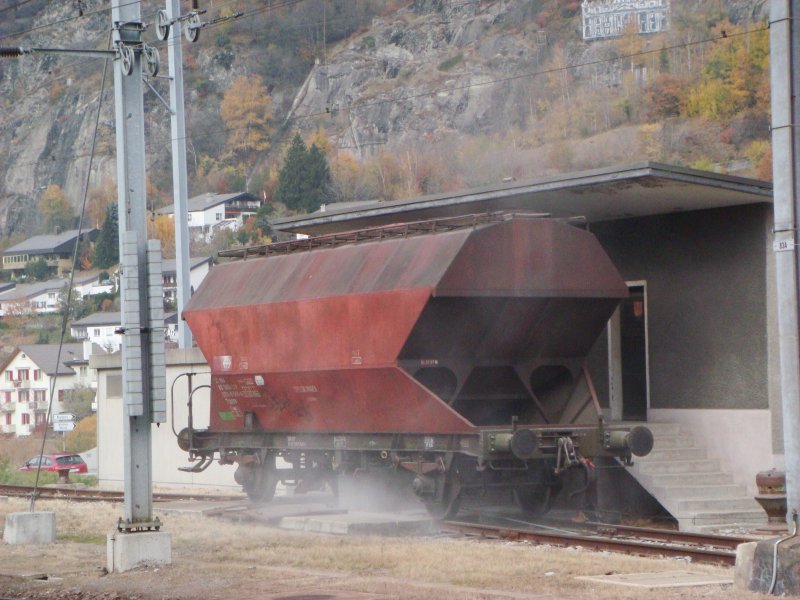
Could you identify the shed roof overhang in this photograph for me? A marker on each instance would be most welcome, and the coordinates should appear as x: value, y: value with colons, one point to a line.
x: 637, y: 190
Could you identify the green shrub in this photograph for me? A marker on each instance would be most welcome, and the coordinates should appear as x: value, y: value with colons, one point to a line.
x: 450, y: 62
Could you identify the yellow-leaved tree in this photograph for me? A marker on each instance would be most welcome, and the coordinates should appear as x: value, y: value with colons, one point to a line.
x: 246, y: 110
x: 163, y: 228
x: 56, y: 209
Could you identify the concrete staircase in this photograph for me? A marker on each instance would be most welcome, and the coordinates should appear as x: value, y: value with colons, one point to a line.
x: 693, y: 487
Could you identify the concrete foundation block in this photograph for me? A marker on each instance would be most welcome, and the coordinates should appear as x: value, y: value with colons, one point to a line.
x: 743, y: 571
x: 127, y: 551
x: 30, y: 528
x: 755, y: 573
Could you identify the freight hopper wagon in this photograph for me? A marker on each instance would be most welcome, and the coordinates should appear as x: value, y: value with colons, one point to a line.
x: 451, y: 352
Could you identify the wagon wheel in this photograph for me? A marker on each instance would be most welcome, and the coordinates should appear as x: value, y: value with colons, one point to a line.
x: 260, y: 481
x: 447, y: 500
x: 533, y: 500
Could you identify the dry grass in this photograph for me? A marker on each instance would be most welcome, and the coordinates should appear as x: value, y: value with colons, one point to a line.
x: 218, y: 559
x: 18, y: 450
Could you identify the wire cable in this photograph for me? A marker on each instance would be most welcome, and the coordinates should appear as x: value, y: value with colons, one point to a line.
x: 68, y: 301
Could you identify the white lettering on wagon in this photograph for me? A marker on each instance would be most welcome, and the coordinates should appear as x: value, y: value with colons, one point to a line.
x: 306, y: 389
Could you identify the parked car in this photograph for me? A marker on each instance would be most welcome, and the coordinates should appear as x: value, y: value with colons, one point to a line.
x: 57, y: 462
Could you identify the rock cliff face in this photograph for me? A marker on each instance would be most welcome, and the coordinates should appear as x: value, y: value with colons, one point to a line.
x: 424, y: 73
x: 428, y: 71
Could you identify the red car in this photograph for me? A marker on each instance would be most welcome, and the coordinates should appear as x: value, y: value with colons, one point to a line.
x: 57, y: 462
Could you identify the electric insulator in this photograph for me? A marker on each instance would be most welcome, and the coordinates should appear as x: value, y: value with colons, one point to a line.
x: 10, y: 52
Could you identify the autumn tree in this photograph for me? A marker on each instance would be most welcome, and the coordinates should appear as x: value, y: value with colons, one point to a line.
x: 246, y: 110
x: 100, y: 197
x: 55, y: 209
x: 163, y: 228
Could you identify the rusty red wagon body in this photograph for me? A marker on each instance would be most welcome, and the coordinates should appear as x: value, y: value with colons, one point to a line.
x: 433, y: 347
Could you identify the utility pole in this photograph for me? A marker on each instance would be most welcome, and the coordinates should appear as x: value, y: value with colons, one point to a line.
x: 143, y: 366
x: 180, y: 186
x: 785, y: 82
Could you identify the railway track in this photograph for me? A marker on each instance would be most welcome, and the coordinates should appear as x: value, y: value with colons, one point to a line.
x: 625, y: 539
x: 640, y: 541
x: 93, y: 495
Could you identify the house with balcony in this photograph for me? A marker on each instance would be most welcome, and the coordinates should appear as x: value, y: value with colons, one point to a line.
x: 28, y: 376
x: 101, y: 328
x: 198, y: 269
x: 209, y: 212
x: 55, y: 249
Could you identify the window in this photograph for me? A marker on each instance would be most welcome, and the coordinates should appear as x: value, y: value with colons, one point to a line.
x: 51, y: 295
x: 83, y: 371
x: 9, y: 375
x: 219, y: 216
x: 26, y: 419
x: 189, y: 217
x: 22, y: 395
x: 22, y: 374
x: 40, y: 418
x: 37, y: 374
x: 8, y: 418
x: 96, y: 333
x: 60, y: 395
x: 7, y: 397
x: 39, y: 395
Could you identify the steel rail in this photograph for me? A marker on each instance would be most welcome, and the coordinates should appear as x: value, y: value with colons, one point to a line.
x: 90, y: 495
x: 642, y: 547
x: 651, y: 533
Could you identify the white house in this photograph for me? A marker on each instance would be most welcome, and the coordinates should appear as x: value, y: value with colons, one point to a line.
x: 198, y: 269
x: 43, y: 297
x: 208, y: 212
x: 31, y: 374
x: 100, y: 329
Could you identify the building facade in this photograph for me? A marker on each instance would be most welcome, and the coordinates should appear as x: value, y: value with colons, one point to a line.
x: 56, y: 250
x: 33, y: 377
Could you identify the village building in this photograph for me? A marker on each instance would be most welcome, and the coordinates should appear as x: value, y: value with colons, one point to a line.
x: 208, y: 213
x: 102, y: 329
x: 29, y: 376
x: 46, y: 297
x: 56, y: 250
x: 198, y: 269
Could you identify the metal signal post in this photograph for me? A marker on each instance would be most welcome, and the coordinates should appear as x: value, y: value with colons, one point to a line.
x: 143, y: 370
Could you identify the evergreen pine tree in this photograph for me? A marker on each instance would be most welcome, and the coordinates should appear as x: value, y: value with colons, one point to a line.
x: 291, y: 183
x: 106, y: 251
x: 318, y: 178
x: 305, y: 179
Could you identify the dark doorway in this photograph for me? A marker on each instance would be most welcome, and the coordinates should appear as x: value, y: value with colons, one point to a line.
x: 633, y: 342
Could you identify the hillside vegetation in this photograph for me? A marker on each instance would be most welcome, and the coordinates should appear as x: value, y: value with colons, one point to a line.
x: 401, y: 97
